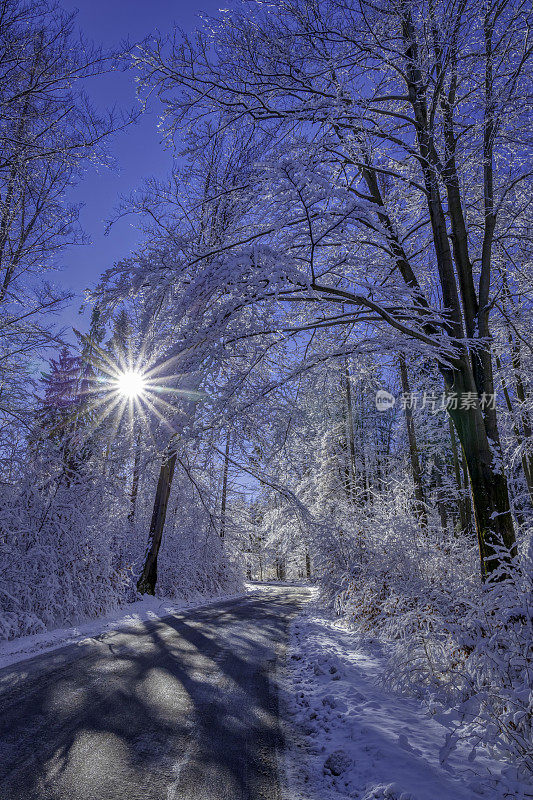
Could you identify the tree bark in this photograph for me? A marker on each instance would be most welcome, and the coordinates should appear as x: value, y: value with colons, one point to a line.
x: 464, y: 504
x: 352, y: 482
x: 420, y: 504
x: 148, y: 578
x: 438, y: 472
x: 224, y: 486
x: 189, y: 383
x: 135, y: 478
x: 489, y: 491
x: 476, y: 426
x: 526, y: 466
x: 490, y: 495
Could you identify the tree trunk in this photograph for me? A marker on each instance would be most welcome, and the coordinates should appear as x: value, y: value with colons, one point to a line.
x: 476, y: 427
x: 523, y: 414
x: 135, y: 478
x: 438, y: 472
x: 527, y: 459
x: 468, y: 491
x: 249, y: 552
x: 489, y: 491
x: 490, y: 495
x: 464, y: 505
x: 148, y: 579
x: 526, y: 466
x: 224, y: 487
x: 352, y: 483
x: 189, y: 383
x: 420, y: 505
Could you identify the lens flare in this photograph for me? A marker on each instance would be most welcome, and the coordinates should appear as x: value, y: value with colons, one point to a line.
x: 131, y: 384
x: 141, y: 393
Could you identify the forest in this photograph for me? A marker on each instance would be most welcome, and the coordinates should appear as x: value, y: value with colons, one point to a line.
x: 316, y: 366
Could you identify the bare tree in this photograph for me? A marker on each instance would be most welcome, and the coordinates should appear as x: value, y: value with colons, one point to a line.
x: 413, y: 447
x: 414, y: 120
x: 49, y: 133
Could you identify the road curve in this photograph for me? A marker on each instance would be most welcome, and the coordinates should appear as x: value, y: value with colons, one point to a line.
x: 184, y: 708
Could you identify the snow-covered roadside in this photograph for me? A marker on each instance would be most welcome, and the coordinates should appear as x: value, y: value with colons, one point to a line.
x: 348, y: 737
x: 149, y: 608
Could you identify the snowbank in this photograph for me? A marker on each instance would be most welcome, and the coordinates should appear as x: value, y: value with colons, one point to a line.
x: 149, y: 608
x: 349, y: 736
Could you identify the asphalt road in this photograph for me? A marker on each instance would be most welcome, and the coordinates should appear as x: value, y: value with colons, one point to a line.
x: 184, y: 708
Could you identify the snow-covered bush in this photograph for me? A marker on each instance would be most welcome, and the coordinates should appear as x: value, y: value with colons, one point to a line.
x: 68, y: 551
x: 496, y: 636
x: 450, y: 639
x: 194, y: 563
x: 57, y: 564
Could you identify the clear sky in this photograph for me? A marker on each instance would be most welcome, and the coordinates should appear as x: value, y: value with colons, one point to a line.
x: 138, y: 151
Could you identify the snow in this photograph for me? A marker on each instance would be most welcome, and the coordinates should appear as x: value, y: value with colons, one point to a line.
x: 145, y: 610
x: 348, y: 736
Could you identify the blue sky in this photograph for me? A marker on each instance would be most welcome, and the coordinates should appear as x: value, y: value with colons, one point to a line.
x: 138, y: 151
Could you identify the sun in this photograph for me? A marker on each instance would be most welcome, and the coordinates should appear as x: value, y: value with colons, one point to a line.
x: 136, y: 392
x: 131, y: 383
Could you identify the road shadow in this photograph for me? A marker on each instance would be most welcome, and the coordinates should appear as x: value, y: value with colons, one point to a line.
x: 185, y: 707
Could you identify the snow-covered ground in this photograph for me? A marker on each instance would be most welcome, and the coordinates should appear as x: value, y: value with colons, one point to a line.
x: 149, y: 608
x: 349, y: 737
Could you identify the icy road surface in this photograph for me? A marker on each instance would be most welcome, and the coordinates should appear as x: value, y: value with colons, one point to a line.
x: 184, y: 708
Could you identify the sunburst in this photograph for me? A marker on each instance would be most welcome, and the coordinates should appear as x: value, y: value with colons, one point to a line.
x: 140, y: 391
x: 131, y: 383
